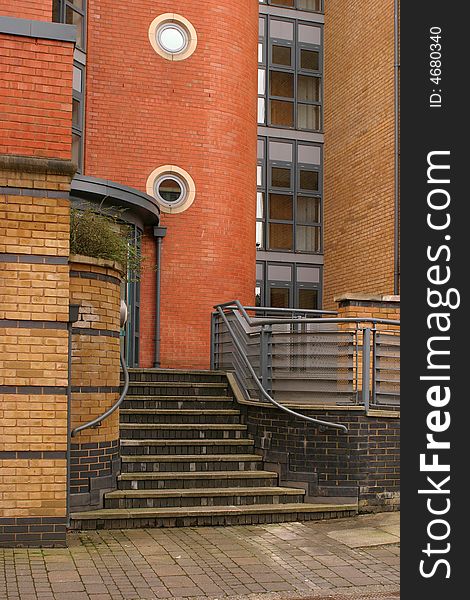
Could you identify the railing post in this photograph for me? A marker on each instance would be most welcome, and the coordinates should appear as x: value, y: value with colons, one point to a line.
x: 265, y: 357
x: 213, y: 342
x: 366, y: 367
x: 374, y: 367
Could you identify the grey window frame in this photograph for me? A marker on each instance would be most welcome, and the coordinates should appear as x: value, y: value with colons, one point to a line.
x: 267, y: 189
x: 295, y: 7
x: 295, y: 70
x: 293, y: 284
x: 80, y: 97
x: 262, y: 65
x: 62, y: 6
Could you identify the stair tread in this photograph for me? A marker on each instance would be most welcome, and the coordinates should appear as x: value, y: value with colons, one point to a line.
x: 170, y: 397
x: 222, y: 426
x: 182, y: 442
x: 171, y: 411
x: 185, y: 384
x: 175, y: 371
x: 188, y: 511
x: 196, y: 475
x: 190, y: 457
x: 205, y: 492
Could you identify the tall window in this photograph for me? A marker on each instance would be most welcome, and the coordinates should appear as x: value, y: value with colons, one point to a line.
x: 311, y: 5
x: 78, y: 99
x: 289, y: 196
x: 290, y: 69
x: 73, y: 12
x: 284, y: 285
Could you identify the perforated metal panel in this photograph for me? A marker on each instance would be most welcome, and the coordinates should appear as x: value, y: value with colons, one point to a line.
x: 387, y: 369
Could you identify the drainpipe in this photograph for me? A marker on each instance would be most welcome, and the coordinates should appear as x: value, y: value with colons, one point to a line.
x: 159, y: 233
x: 396, y: 258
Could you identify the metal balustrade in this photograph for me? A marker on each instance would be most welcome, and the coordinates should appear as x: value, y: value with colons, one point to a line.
x: 308, y: 358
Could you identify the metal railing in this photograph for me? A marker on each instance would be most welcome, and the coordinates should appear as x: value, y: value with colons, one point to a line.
x: 99, y: 420
x: 304, y: 359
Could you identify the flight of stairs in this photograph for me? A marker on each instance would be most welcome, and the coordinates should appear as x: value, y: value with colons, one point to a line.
x: 187, y: 461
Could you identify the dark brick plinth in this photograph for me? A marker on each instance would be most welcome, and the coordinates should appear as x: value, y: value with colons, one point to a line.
x: 45, y: 532
x: 93, y: 471
x: 365, y: 463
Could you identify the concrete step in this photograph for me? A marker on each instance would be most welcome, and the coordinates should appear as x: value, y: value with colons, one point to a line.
x: 178, y: 388
x: 178, y: 402
x: 235, y: 496
x: 153, y: 447
x: 200, y: 516
x: 195, y: 416
x: 191, y: 462
x: 181, y: 431
x: 196, y: 479
x: 151, y: 375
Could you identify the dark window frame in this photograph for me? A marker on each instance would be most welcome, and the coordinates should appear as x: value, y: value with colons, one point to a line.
x: 78, y: 130
x: 294, y: 191
x: 295, y: 7
x: 293, y: 285
x: 294, y: 69
x: 262, y: 65
x: 59, y: 9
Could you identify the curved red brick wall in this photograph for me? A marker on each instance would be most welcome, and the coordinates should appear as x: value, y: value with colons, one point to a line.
x: 199, y: 114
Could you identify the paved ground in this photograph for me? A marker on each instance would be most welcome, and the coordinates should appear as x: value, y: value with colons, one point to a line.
x: 351, y: 558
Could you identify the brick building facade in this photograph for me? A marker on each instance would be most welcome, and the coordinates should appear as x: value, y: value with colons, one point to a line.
x: 361, y: 157
x: 291, y: 202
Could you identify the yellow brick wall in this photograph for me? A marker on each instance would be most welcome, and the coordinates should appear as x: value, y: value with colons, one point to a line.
x: 359, y: 148
x: 32, y: 488
x: 34, y: 299
x: 95, y: 359
x: 33, y: 357
x: 34, y: 291
x: 33, y: 422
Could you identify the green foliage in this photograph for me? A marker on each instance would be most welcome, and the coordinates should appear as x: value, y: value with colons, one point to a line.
x: 101, y: 235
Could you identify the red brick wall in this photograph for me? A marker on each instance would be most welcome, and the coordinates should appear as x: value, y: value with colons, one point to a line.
x: 199, y: 114
x: 35, y: 97
x: 38, y: 10
x: 359, y: 148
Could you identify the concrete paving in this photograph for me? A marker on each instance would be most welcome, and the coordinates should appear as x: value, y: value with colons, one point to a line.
x: 354, y: 558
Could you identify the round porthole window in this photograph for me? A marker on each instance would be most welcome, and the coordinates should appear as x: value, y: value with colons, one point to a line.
x: 172, y: 36
x: 172, y: 188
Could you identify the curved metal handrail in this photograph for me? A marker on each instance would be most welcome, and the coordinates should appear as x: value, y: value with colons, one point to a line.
x: 98, y: 420
x: 220, y: 310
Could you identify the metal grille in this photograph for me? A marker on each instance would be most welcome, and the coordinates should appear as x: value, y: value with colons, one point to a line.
x: 305, y: 363
x: 386, y: 388
x: 308, y: 361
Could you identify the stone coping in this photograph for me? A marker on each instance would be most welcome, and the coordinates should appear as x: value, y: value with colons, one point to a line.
x: 361, y: 297
x: 96, y: 262
x: 33, y: 164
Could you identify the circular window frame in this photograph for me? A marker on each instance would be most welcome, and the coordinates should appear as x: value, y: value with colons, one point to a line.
x: 168, y: 19
x: 176, y: 26
x: 172, y: 177
x: 180, y: 176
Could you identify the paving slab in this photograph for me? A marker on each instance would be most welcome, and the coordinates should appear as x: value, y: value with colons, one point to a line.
x: 347, y: 559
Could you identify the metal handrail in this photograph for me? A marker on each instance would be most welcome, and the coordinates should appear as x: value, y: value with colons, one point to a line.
x: 255, y: 321
x: 220, y: 310
x: 98, y: 420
